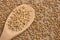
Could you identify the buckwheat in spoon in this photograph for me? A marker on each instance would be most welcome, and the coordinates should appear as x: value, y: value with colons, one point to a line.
x: 18, y: 21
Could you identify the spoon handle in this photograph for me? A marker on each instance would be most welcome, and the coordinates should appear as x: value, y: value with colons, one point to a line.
x: 4, y: 36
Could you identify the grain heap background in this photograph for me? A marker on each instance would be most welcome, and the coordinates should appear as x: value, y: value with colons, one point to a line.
x: 46, y: 25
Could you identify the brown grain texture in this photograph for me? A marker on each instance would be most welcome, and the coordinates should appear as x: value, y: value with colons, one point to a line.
x: 46, y: 25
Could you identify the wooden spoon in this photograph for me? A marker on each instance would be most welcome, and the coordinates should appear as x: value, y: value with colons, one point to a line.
x: 18, y: 21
